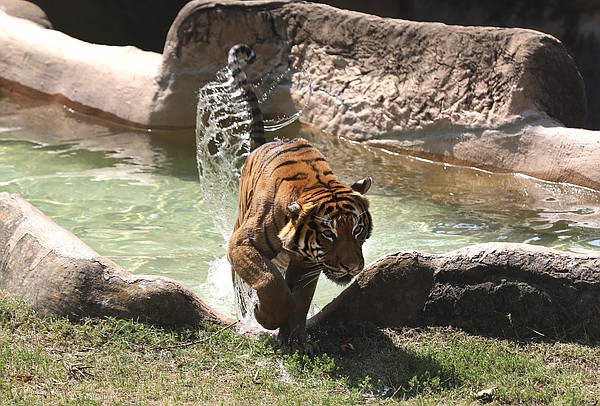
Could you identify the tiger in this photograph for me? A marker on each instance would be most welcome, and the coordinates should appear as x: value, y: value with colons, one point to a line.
x: 295, y: 220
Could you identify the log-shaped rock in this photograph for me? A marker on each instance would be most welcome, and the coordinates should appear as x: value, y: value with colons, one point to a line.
x: 501, y: 289
x: 60, y: 276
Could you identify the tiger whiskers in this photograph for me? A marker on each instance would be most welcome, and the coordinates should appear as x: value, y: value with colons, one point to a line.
x: 312, y: 274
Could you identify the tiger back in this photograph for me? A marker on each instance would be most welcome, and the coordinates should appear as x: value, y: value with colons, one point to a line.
x: 295, y: 220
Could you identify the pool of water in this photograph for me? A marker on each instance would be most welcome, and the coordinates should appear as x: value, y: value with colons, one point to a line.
x: 134, y: 197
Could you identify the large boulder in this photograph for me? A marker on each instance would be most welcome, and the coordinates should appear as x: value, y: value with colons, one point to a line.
x: 60, y: 276
x: 375, y: 77
x: 506, y: 290
x: 575, y: 23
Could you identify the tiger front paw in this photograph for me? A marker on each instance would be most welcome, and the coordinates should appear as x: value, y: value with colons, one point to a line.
x: 298, y: 341
x: 264, y: 320
x: 270, y: 320
x: 272, y: 311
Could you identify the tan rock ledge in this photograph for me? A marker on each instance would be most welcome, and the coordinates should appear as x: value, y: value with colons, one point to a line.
x: 487, y: 97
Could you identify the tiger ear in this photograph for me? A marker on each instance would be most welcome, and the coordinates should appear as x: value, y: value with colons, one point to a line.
x: 294, y: 210
x: 362, y: 186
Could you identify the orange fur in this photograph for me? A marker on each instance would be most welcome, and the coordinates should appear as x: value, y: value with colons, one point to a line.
x: 294, y: 211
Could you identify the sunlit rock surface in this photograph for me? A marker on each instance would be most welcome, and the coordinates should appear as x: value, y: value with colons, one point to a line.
x: 25, y: 10
x: 60, y: 276
x: 373, y: 79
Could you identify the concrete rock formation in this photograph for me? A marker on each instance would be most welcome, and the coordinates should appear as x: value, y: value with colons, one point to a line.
x: 575, y: 23
x: 494, y: 91
x: 25, y: 10
x: 60, y: 276
x: 506, y: 290
x: 493, y: 98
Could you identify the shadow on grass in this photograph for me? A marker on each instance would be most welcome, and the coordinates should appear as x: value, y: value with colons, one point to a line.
x: 374, y: 364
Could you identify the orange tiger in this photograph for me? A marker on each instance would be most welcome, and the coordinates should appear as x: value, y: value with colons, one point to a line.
x: 295, y: 220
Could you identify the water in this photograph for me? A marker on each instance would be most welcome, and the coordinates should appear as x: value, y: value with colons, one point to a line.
x: 135, y: 198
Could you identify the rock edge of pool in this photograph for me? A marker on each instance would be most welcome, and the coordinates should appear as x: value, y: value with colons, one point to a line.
x: 507, y: 100
x: 496, y: 288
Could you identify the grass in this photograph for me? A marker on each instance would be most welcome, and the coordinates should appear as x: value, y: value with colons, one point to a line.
x: 116, y: 362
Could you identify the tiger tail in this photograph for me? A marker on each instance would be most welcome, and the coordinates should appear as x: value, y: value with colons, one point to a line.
x: 234, y: 65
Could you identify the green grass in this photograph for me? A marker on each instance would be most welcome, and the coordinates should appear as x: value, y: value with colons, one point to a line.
x: 116, y: 362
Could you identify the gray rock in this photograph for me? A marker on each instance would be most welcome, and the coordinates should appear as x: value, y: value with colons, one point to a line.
x: 507, y: 290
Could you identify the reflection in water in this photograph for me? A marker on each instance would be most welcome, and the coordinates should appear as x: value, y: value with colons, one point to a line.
x: 134, y: 197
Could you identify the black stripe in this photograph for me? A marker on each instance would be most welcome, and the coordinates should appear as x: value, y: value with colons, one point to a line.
x: 235, y: 71
x: 308, y: 234
x: 250, y: 96
x: 285, y: 163
x: 275, y: 153
x: 297, y: 238
x: 349, y: 207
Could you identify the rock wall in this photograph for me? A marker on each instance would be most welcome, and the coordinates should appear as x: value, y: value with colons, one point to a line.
x: 375, y: 77
x: 372, y: 79
x: 575, y: 23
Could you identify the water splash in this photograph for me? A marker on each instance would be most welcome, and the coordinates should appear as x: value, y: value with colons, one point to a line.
x: 222, y: 145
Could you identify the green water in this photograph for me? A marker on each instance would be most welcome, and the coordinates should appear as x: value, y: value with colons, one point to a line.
x: 135, y: 198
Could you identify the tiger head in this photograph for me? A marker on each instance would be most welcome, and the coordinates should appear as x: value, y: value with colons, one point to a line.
x: 328, y: 228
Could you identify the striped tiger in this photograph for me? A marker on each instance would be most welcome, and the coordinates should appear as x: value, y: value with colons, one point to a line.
x: 295, y: 220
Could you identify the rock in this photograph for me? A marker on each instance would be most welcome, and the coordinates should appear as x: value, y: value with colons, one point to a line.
x: 486, y: 395
x: 506, y: 290
x: 25, y: 10
x: 375, y: 77
x: 115, y: 22
x: 546, y: 152
x: 575, y: 23
x: 504, y: 94
x: 60, y: 276
x: 390, y: 292
x: 116, y: 83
